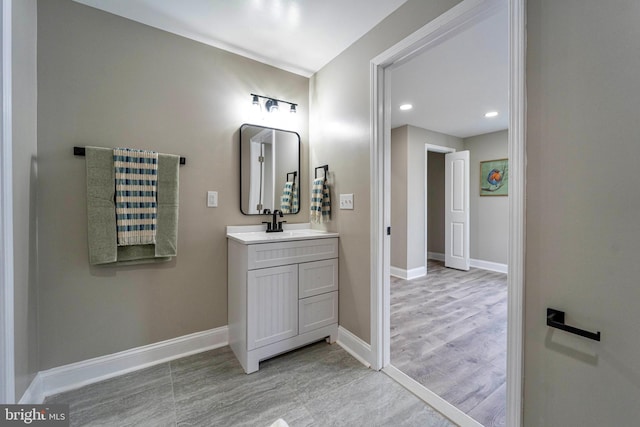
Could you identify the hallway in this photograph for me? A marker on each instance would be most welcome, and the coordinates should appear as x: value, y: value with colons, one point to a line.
x: 448, y: 332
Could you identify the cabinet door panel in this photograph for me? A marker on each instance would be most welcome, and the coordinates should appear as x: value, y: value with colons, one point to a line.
x: 318, y: 311
x: 272, y: 302
x: 318, y: 277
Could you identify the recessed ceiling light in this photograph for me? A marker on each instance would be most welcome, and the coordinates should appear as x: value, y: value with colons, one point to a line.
x: 491, y: 114
x: 405, y: 107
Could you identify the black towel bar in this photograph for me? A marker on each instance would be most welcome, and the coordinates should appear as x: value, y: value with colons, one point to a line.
x: 326, y: 169
x: 555, y: 319
x: 294, y: 173
x: 80, y: 151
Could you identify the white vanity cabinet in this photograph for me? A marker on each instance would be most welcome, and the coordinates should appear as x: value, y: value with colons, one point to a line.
x: 282, y: 295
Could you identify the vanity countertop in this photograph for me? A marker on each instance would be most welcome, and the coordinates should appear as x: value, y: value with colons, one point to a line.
x: 250, y: 234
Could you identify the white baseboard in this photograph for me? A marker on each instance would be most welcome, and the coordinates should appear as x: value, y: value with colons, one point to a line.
x: 475, y: 263
x: 354, y: 346
x: 34, y: 394
x: 75, y: 375
x: 435, y: 255
x: 489, y: 265
x: 414, y: 273
x: 432, y: 399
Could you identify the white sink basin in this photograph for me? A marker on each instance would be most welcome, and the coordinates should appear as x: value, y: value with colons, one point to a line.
x: 292, y: 232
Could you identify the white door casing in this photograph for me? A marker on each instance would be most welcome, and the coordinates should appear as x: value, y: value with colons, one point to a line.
x: 7, y: 356
x: 451, y: 21
x: 456, y: 204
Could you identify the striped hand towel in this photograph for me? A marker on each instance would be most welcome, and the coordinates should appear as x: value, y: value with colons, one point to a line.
x: 320, y: 202
x: 295, y: 202
x: 289, y: 199
x: 136, y: 174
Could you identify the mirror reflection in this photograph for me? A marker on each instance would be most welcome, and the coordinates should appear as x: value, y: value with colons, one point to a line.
x: 269, y: 170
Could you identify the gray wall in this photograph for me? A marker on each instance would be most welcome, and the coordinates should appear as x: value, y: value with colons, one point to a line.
x: 24, y: 116
x: 399, y: 194
x: 339, y: 135
x: 435, y: 202
x: 582, y: 250
x: 408, y: 192
x: 489, y: 216
x: 107, y: 81
x: 489, y: 231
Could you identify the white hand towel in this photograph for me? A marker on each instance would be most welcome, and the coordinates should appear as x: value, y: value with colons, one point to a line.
x: 320, y: 202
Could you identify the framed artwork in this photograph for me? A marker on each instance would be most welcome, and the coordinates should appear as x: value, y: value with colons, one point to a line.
x: 494, y: 177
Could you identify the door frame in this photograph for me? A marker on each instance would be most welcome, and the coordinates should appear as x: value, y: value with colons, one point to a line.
x: 433, y: 149
x: 7, y: 356
x: 454, y: 20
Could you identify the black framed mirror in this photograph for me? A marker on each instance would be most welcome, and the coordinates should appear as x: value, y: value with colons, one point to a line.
x: 269, y: 170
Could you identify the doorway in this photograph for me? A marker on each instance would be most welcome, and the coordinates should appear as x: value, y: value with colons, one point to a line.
x: 459, y: 17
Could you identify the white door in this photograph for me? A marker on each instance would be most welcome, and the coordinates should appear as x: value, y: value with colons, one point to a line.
x: 456, y: 204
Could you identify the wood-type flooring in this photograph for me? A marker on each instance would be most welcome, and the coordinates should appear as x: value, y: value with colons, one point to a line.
x: 448, y: 332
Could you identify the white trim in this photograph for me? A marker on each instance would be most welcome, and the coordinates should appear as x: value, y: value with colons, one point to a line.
x: 436, y: 402
x: 414, y: 273
x: 354, y: 346
x: 75, y: 375
x: 7, y: 356
x: 457, y: 18
x: 434, y: 149
x: 517, y: 211
x: 476, y: 263
x: 34, y: 394
x: 438, y: 148
x: 444, y: 26
x: 438, y: 256
x: 489, y: 265
x: 380, y: 220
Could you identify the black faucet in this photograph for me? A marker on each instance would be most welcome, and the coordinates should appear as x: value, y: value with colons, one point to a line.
x: 267, y: 212
x: 275, y: 225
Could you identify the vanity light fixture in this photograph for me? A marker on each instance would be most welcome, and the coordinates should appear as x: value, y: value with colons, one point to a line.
x: 271, y: 104
x: 406, y: 107
x: 491, y: 114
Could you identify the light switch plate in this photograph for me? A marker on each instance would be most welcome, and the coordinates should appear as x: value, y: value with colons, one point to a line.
x: 346, y: 201
x: 212, y: 199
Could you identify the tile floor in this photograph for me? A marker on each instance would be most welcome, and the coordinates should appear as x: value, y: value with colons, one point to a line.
x: 319, y: 385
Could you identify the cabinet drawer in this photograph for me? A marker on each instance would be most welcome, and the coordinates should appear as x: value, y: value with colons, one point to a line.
x: 316, y: 312
x: 294, y: 252
x: 318, y: 277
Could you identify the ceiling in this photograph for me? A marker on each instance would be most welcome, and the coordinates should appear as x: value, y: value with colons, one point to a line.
x: 295, y: 35
x: 451, y: 86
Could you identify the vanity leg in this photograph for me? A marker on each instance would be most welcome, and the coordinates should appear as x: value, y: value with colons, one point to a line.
x: 253, y: 364
x: 331, y: 339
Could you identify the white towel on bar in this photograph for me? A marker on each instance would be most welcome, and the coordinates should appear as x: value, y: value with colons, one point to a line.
x: 320, y: 202
x: 289, y: 199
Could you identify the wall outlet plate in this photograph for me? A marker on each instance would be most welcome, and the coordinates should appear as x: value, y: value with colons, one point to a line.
x: 212, y: 199
x: 346, y: 201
